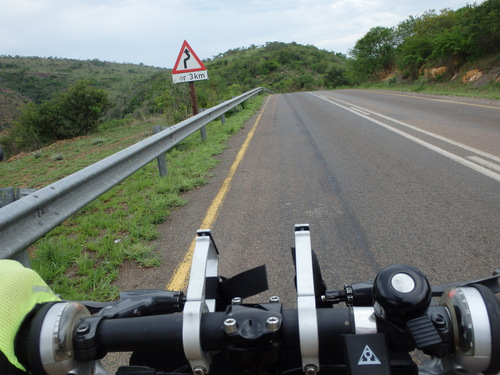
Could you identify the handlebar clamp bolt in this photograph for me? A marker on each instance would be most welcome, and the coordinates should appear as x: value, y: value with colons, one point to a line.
x: 310, y: 370
x: 236, y: 301
x: 199, y: 370
x: 83, y: 329
x: 230, y: 326
x: 272, y: 324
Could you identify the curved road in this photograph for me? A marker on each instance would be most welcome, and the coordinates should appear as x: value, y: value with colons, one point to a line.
x: 381, y: 177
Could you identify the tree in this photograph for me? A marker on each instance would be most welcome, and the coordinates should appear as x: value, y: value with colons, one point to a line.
x: 375, y: 52
x: 448, y: 38
x: 481, y: 23
x: 405, y: 30
x: 84, y: 106
x: 449, y: 43
x: 413, y: 54
x: 69, y: 114
x: 335, y: 77
x: 431, y: 24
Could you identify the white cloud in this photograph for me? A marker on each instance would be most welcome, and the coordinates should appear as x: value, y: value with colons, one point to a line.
x: 152, y: 31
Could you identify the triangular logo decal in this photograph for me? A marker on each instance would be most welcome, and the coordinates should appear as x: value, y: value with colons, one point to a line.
x: 368, y: 357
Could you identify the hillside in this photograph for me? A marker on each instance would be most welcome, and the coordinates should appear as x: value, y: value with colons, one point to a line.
x: 25, y: 79
x: 281, y: 67
x: 138, y: 90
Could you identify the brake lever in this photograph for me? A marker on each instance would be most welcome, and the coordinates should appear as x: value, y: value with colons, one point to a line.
x: 138, y: 303
x: 492, y: 282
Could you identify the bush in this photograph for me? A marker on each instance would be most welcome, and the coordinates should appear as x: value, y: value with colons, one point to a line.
x: 335, y: 77
x: 84, y: 106
x: 73, y: 113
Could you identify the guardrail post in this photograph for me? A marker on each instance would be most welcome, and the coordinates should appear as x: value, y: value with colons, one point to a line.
x: 22, y: 192
x: 162, y: 158
x: 203, y: 130
x: 223, y: 117
x: 6, y: 196
x: 23, y: 258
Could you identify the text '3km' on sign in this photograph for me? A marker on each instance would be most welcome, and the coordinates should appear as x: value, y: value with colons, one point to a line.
x: 188, y: 66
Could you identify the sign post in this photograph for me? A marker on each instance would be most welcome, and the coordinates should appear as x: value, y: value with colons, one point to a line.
x: 189, y: 68
x: 193, y: 98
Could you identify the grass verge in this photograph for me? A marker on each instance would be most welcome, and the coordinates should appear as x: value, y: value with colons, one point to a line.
x: 490, y: 91
x: 81, y: 258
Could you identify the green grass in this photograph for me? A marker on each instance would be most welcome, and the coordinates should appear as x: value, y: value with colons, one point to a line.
x: 454, y: 88
x: 80, y: 259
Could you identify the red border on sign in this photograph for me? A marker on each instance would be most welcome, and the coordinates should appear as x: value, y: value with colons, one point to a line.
x: 184, y: 46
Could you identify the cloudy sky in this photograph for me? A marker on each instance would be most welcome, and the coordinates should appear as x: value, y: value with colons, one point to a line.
x: 152, y: 31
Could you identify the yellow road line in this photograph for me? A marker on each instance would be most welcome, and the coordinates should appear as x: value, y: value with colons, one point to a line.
x: 433, y: 99
x: 180, y: 278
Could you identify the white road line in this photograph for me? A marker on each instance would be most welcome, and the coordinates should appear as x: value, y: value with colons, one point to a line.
x: 484, y: 163
x: 449, y: 155
x: 357, y: 109
x: 441, y: 138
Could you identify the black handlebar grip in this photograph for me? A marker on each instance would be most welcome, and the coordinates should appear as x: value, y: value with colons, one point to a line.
x: 332, y: 324
x: 157, y: 332
x: 164, y: 332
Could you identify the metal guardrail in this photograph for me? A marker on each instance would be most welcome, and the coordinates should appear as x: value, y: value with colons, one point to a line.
x: 26, y: 220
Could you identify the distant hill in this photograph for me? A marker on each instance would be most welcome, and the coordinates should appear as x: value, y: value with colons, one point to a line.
x: 24, y: 79
x: 281, y: 67
x: 139, y: 90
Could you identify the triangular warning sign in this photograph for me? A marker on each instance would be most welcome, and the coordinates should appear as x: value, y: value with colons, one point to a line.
x: 368, y: 357
x: 187, y: 61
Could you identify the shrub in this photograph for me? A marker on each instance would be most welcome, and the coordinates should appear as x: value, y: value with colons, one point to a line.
x: 73, y: 113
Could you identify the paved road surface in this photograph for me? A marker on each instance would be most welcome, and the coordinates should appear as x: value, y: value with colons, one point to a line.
x: 381, y: 178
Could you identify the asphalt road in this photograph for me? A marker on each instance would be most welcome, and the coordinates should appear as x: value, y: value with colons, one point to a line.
x: 381, y: 178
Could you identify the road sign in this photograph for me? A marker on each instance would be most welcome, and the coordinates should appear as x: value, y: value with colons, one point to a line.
x: 188, y: 66
x: 190, y: 77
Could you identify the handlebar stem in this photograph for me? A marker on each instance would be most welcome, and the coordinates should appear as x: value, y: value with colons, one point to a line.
x: 306, y: 301
x: 205, y: 264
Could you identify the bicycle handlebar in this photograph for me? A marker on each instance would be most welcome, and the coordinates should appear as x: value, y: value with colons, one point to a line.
x: 209, y: 330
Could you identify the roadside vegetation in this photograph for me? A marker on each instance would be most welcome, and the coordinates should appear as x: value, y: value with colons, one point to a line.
x: 280, y: 67
x: 81, y: 258
x: 68, y: 114
x: 450, y: 52
x: 489, y: 91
